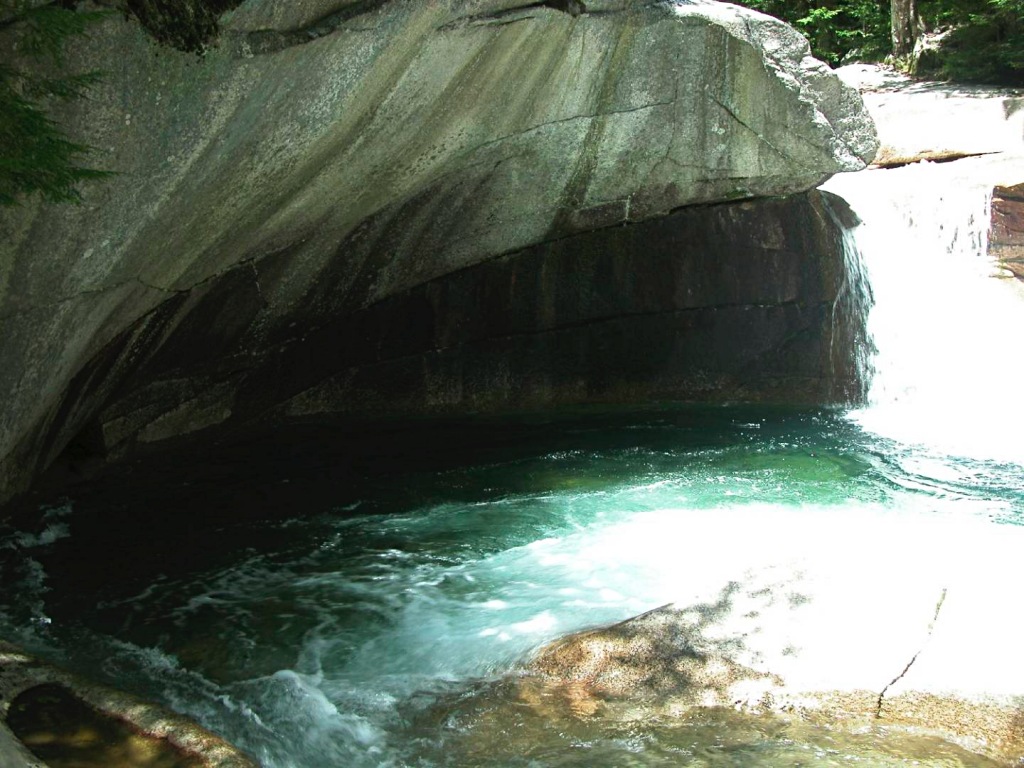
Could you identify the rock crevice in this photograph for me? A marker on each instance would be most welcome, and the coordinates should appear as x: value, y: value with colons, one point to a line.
x: 906, y: 669
x: 265, y: 42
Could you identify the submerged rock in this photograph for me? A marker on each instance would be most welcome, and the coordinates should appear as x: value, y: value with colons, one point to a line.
x: 65, y: 717
x: 327, y: 158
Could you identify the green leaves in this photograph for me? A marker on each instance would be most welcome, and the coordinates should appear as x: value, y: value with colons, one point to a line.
x: 35, y: 155
x: 818, y: 16
x: 836, y: 29
x: 44, y: 28
x: 985, y: 42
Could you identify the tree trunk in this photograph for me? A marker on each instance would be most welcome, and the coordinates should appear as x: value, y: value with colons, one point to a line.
x: 904, y: 27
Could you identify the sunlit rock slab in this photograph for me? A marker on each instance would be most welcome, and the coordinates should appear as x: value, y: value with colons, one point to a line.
x: 444, y: 134
x: 921, y: 120
x: 14, y: 754
x: 883, y: 618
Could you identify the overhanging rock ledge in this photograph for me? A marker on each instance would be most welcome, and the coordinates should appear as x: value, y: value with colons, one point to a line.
x: 328, y: 156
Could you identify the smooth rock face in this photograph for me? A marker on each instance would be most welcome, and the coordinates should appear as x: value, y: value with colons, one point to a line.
x: 327, y: 157
x: 742, y: 301
x: 13, y: 754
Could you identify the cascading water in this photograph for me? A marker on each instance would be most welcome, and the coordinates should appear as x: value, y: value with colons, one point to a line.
x: 320, y: 608
x: 945, y: 328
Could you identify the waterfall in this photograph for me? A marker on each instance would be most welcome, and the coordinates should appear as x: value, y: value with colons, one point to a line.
x: 943, y: 325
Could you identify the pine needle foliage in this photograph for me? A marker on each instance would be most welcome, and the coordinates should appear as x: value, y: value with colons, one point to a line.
x: 36, y: 157
x: 838, y: 30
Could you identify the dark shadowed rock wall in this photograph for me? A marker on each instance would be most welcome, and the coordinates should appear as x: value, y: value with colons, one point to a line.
x: 731, y: 302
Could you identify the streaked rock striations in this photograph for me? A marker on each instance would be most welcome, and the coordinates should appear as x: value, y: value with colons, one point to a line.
x: 328, y: 158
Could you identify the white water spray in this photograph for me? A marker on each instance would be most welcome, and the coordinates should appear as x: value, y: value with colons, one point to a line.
x: 944, y: 324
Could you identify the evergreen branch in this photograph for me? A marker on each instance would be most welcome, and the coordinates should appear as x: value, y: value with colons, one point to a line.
x: 64, y: 88
x: 35, y: 154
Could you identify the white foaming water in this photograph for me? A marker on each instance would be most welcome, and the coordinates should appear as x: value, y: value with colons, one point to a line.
x: 946, y: 329
x: 56, y: 528
x: 379, y: 640
x: 474, y: 619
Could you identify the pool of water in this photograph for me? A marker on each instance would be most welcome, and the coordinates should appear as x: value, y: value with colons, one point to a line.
x: 359, y: 596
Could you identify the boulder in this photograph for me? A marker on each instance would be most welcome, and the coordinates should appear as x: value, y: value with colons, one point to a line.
x: 1006, y: 235
x: 324, y: 160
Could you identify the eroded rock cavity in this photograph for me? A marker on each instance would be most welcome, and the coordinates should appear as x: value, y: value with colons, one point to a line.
x: 405, y: 206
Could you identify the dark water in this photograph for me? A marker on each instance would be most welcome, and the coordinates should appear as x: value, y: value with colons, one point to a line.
x: 347, y: 597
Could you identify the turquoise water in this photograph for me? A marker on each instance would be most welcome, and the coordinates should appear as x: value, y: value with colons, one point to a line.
x: 338, y: 597
x: 365, y: 596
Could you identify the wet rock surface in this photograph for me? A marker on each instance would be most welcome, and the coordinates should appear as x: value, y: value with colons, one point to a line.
x: 67, y: 719
x: 981, y: 127
x: 661, y: 658
x: 819, y: 638
x: 925, y: 120
x: 745, y: 301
